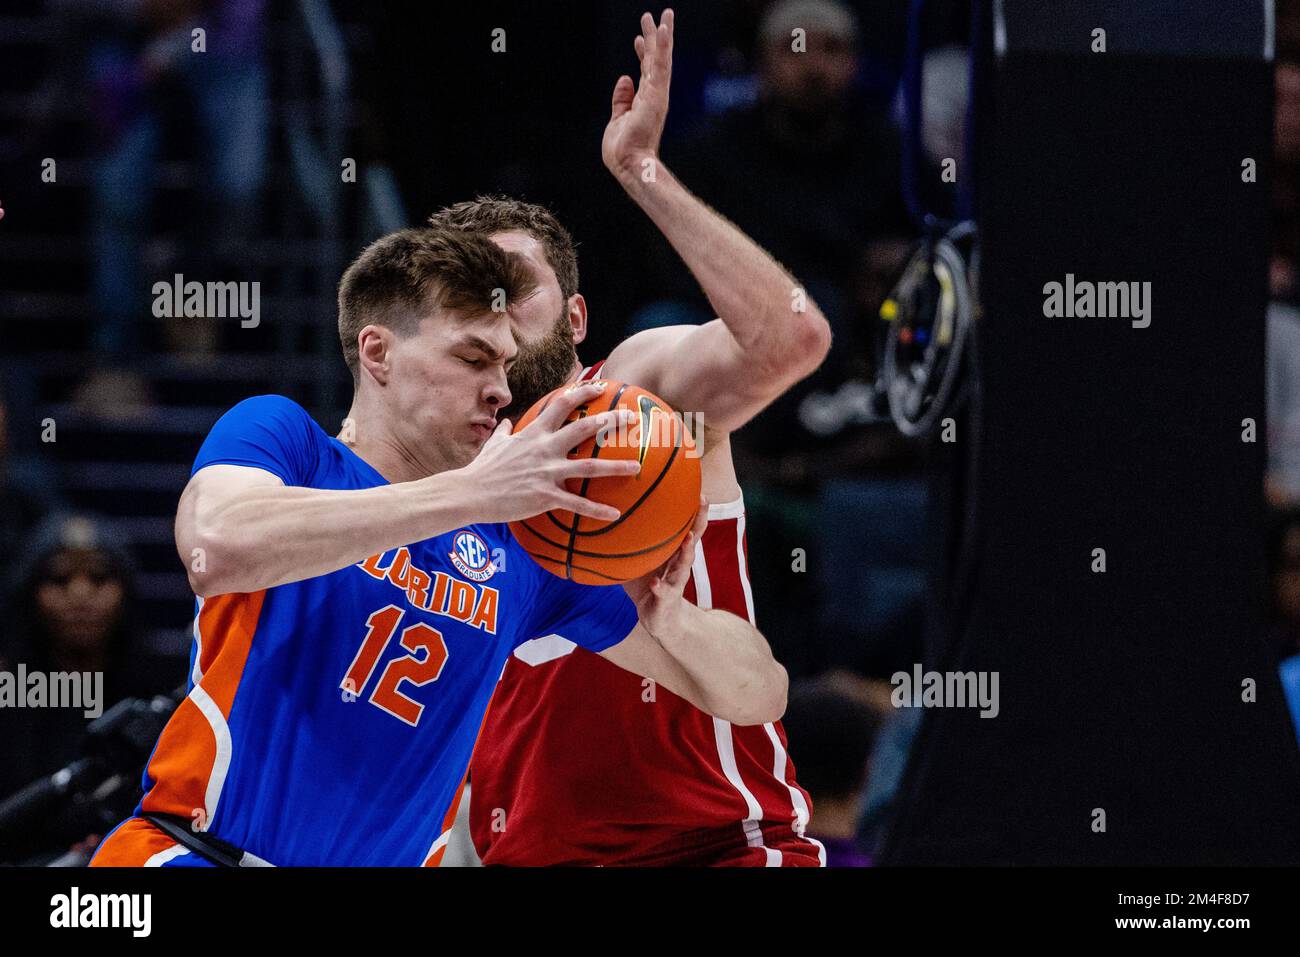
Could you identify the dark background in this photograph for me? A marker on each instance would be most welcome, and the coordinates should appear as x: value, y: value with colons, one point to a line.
x: 432, y: 116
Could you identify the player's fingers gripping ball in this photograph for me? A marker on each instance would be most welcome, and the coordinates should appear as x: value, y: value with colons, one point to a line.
x: 657, y: 505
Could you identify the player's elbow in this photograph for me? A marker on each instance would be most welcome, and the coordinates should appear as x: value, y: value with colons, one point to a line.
x: 778, y: 694
x: 207, y: 586
x: 211, y: 559
x: 802, y: 347
x: 811, y: 343
x: 761, y: 703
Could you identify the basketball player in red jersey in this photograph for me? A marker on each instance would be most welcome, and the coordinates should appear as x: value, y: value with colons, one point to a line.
x: 580, y: 762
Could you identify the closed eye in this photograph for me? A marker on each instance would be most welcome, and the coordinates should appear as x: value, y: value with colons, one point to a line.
x: 480, y: 362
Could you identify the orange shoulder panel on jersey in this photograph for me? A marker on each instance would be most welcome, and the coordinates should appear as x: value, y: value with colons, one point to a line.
x: 189, y: 763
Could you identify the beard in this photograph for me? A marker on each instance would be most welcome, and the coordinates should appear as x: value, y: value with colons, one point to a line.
x: 541, y: 366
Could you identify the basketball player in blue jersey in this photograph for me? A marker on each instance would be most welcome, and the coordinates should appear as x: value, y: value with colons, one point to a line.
x: 358, y: 596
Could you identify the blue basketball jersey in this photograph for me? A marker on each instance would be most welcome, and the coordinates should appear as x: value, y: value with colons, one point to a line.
x: 331, y: 720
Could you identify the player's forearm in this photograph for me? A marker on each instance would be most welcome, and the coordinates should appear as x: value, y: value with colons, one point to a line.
x: 730, y: 663
x: 272, y: 535
x: 770, y: 315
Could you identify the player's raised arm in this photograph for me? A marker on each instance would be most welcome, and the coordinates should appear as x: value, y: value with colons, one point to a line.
x: 715, y: 660
x: 242, y: 528
x: 769, y: 335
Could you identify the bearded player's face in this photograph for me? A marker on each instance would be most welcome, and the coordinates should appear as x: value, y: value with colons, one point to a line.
x: 542, y: 327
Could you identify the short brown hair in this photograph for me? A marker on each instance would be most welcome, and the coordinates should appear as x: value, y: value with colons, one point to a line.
x: 499, y: 214
x: 400, y: 275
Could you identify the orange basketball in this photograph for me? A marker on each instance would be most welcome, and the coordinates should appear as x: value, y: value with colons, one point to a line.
x: 657, y: 506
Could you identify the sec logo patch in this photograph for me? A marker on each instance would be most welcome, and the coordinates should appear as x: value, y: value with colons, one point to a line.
x: 472, y: 557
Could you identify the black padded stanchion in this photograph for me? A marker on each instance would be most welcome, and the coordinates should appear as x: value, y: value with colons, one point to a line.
x: 1116, y: 578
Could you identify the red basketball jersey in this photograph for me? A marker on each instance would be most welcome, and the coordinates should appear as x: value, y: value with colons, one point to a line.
x: 581, y: 762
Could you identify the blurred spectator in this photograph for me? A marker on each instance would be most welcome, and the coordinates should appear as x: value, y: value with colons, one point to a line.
x: 70, y: 610
x: 945, y: 95
x: 945, y: 92
x: 807, y: 170
x: 894, y: 730
x: 885, y: 775
x: 1284, y: 580
x: 1283, y: 351
x: 145, y: 74
x: 834, y: 733
x: 1286, y: 168
x: 1283, y: 315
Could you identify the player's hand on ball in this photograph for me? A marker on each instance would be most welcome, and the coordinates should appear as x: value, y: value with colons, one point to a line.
x: 658, y: 595
x: 517, y: 476
x: 637, y: 114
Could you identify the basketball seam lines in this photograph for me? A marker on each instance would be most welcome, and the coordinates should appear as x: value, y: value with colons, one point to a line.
x: 595, y: 453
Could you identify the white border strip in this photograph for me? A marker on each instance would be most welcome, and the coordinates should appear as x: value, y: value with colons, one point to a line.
x: 801, y: 812
x: 440, y: 843
x: 779, y: 758
x: 165, y: 855
x: 220, y: 729
x: 733, y: 509
x: 722, y: 729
